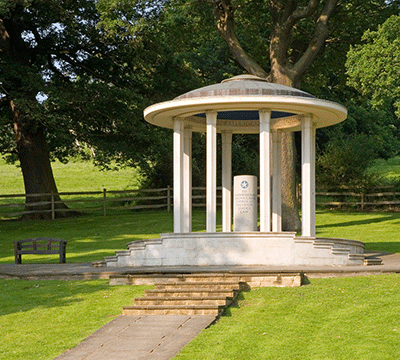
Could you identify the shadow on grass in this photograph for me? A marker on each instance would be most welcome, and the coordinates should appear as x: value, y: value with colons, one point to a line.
x: 235, y: 304
x: 24, y: 295
x: 89, y: 237
x: 383, y: 248
x: 388, y: 217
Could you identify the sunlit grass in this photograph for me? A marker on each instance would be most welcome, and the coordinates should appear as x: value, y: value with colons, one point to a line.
x: 380, y: 231
x: 42, y: 319
x: 341, y: 318
x: 92, y: 237
x: 75, y: 176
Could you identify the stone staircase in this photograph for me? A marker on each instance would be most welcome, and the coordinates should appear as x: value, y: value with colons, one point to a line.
x: 193, y: 294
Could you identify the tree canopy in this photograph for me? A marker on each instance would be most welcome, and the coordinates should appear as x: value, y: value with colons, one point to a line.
x: 78, y: 73
x: 68, y: 81
x: 374, y: 66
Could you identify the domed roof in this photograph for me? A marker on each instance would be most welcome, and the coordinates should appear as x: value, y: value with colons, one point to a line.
x: 238, y: 101
x: 244, y: 85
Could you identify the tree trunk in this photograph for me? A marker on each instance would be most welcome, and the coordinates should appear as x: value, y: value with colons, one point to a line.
x: 36, y: 170
x: 290, y: 209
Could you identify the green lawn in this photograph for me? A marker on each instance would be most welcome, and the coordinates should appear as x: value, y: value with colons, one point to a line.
x: 343, y: 318
x: 340, y: 318
x: 42, y: 319
x: 348, y: 318
x: 379, y: 230
x: 77, y: 175
x: 93, y: 237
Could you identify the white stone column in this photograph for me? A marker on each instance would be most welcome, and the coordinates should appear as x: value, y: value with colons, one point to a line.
x: 265, y: 171
x: 307, y: 176
x: 226, y: 181
x: 211, y: 173
x: 276, y: 182
x: 178, y: 174
x: 187, y: 180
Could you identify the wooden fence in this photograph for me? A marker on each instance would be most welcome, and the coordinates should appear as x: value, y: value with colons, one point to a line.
x: 360, y: 201
x: 109, y: 200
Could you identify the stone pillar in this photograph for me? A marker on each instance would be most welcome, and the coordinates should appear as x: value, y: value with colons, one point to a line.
x: 307, y: 176
x: 226, y: 181
x: 276, y: 182
x: 265, y: 169
x: 187, y: 180
x: 245, y: 203
x: 178, y: 174
x: 211, y: 172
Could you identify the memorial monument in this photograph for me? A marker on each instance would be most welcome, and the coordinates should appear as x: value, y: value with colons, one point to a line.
x: 242, y: 105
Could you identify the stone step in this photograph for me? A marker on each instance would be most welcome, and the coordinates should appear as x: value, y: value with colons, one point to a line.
x: 173, y: 310
x: 340, y: 251
x: 246, y: 280
x: 181, y: 285
x: 205, y: 278
x: 192, y: 293
x: 209, y: 300
x: 372, y: 261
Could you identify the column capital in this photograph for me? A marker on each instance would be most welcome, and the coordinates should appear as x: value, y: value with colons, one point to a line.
x: 177, y: 118
x: 212, y: 112
x: 226, y: 136
x: 310, y: 117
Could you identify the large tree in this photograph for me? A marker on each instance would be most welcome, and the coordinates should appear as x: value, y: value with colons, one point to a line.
x: 288, y: 62
x: 374, y: 66
x: 68, y: 81
x: 292, y: 34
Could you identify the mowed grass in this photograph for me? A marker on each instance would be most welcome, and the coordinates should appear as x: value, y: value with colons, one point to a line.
x: 380, y: 231
x: 339, y: 318
x: 88, y: 237
x: 91, y: 237
x: 42, y: 319
x: 76, y: 175
x: 342, y: 318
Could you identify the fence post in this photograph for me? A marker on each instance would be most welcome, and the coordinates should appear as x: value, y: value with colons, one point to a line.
x: 105, y: 202
x: 362, y: 202
x: 53, y: 213
x: 168, y: 198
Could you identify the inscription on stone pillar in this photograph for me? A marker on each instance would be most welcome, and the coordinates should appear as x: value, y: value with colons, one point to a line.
x: 245, y: 203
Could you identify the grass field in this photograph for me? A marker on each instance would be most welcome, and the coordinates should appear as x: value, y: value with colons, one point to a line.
x: 342, y: 318
x: 92, y: 238
x: 42, y: 319
x: 76, y: 175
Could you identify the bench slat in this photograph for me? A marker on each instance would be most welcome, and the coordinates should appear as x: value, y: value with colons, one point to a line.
x: 40, y: 246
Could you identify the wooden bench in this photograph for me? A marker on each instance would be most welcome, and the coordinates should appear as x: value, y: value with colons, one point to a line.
x: 39, y: 246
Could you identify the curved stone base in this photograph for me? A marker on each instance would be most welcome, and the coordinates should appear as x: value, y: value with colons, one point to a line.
x: 239, y: 248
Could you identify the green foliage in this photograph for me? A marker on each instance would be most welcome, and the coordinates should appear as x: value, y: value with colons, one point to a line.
x: 345, y: 162
x: 96, y: 65
x: 374, y: 67
x: 388, y: 170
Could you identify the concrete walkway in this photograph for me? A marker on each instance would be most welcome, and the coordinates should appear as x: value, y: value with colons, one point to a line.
x: 150, y: 337
x: 80, y: 271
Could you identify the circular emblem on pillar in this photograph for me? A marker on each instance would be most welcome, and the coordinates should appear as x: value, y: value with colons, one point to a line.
x: 244, y: 184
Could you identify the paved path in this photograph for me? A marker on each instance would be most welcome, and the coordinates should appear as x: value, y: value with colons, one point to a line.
x: 149, y: 337
x: 70, y: 271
